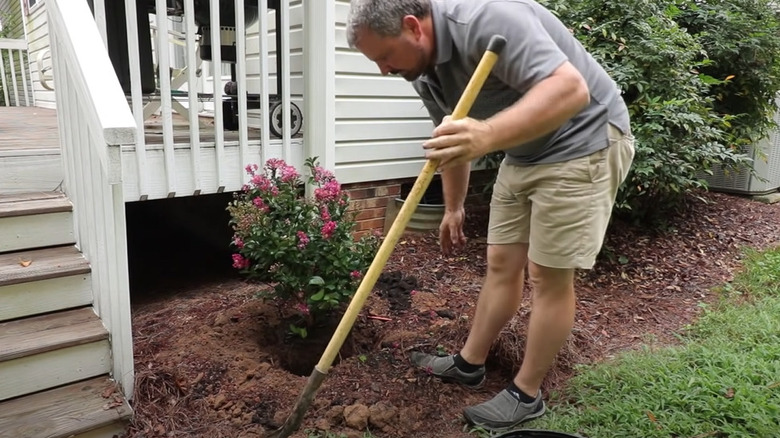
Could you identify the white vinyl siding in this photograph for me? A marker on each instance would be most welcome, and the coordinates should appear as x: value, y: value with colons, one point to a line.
x: 380, y: 121
x: 37, y: 30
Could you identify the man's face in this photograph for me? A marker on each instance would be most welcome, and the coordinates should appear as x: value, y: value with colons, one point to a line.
x: 403, y: 55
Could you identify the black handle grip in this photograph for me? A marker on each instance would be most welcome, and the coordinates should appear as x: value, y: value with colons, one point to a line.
x: 496, y: 44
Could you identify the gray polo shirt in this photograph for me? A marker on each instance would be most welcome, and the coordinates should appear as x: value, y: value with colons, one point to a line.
x: 537, y: 44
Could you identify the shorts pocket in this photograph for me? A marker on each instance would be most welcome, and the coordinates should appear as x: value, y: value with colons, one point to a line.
x: 597, y: 165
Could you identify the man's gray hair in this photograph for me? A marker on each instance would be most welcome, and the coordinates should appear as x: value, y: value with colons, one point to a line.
x: 383, y: 17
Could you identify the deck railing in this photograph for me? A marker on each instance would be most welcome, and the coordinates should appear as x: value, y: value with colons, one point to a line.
x: 206, y: 83
x: 94, y: 123
x: 15, y: 73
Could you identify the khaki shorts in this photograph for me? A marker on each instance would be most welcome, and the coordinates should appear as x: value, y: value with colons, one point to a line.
x: 561, y: 209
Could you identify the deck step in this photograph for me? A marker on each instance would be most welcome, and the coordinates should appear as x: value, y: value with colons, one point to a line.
x: 43, y: 280
x: 24, y: 170
x: 40, y: 334
x: 45, y: 351
x: 35, y: 220
x: 83, y: 409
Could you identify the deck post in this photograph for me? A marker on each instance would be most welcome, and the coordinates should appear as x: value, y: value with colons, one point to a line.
x: 319, y: 106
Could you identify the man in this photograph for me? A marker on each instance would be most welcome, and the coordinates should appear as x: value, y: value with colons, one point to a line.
x: 565, y: 130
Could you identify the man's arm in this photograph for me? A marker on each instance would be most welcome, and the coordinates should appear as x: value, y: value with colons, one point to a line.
x: 455, y: 183
x: 545, y: 107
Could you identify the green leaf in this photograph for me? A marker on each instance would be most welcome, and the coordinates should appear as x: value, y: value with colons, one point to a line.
x: 316, y: 280
x: 300, y: 331
x: 318, y: 296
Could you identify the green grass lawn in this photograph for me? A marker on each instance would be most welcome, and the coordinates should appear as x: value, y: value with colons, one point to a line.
x: 722, y: 381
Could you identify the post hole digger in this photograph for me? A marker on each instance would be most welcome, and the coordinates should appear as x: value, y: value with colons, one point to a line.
x: 293, y: 422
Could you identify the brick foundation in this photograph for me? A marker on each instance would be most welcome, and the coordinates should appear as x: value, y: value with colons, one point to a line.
x: 372, y: 199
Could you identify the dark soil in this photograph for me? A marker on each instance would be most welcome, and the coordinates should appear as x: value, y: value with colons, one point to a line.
x: 213, y: 360
x: 397, y: 289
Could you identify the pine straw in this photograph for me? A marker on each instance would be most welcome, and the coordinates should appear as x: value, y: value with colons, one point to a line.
x: 162, y: 406
x: 162, y: 409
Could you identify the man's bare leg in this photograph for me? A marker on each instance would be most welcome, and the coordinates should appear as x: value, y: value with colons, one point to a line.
x: 552, y: 318
x: 499, y: 299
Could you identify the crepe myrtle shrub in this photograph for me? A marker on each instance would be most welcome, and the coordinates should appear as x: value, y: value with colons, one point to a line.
x: 302, y: 244
x: 658, y: 66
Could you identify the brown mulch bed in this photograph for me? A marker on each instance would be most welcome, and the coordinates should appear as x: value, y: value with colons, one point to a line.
x: 213, y: 360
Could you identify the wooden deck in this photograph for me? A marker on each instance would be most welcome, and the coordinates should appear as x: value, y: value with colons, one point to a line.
x: 28, y: 129
x: 30, y: 157
x: 29, y: 150
x: 32, y: 131
x: 154, y: 134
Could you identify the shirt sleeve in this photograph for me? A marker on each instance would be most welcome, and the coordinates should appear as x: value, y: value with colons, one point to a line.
x: 530, y: 54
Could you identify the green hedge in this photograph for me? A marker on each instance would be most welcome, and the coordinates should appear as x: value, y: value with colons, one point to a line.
x: 699, y: 79
x: 740, y: 40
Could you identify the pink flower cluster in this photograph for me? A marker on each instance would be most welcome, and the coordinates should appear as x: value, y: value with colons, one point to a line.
x: 280, y: 168
x: 289, y: 174
x: 355, y: 274
x: 274, y: 163
x: 238, y: 242
x: 303, y: 240
x: 303, y: 308
x: 240, y: 262
x: 328, y: 229
x: 322, y: 175
x: 328, y: 192
x: 265, y: 184
x: 273, y: 167
x: 324, y: 214
x: 259, y: 203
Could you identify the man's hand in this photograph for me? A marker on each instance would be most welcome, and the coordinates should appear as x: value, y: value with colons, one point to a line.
x: 451, y: 230
x: 458, y: 141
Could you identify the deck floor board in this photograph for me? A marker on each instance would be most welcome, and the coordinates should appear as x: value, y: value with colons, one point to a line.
x: 28, y: 129
x: 33, y: 128
x: 154, y: 133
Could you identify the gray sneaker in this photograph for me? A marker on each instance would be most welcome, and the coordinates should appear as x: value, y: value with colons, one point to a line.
x: 504, y: 411
x: 444, y: 368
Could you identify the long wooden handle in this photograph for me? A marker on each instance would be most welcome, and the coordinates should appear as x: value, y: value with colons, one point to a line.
x: 495, y: 46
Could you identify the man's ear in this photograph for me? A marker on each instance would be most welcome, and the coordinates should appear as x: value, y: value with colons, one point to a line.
x: 412, y: 24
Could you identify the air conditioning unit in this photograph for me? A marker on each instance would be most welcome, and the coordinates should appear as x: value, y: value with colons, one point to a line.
x: 765, y: 177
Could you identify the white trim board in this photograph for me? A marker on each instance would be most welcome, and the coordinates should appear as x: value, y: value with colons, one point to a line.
x: 235, y: 175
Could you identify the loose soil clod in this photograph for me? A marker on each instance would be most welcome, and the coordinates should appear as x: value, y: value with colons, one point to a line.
x: 397, y: 289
